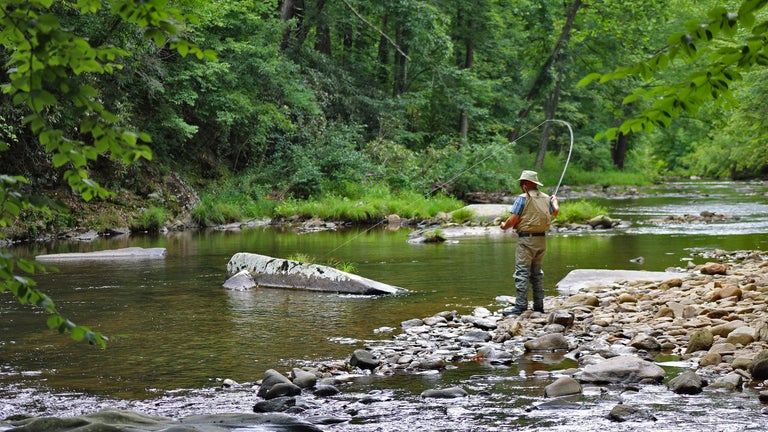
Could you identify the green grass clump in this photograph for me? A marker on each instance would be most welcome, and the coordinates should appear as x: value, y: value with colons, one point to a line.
x: 151, y: 220
x: 462, y: 215
x: 233, y: 200
x: 337, y: 264
x: 579, y: 211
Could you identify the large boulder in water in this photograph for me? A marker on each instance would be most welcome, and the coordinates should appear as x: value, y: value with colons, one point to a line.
x: 273, y: 272
x: 128, y: 253
x: 623, y: 369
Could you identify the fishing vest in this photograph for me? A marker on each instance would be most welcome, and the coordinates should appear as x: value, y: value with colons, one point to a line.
x: 535, y: 217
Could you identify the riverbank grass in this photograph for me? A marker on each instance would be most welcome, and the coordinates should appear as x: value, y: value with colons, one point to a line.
x: 375, y: 203
x: 579, y: 211
x: 334, y: 263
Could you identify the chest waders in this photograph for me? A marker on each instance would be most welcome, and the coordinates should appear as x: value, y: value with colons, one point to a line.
x: 529, y: 252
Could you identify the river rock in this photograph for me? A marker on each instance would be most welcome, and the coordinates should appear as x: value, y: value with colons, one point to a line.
x: 741, y: 336
x: 303, y: 379
x: 758, y: 367
x: 563, y: 386
x: 283, y: 273
x: 475, y: 336
x: 726, y: 292
x: 278, y: 404
x: 714, y: 268
x: 724, y: 329
x: 601, y: 221
x: 282, y: 389
x: 582, y: 300
x: 363, y: 359
x: 710, y: 359
x: 732, y: 381
x: 446, y: 393
x: 623, y: 412
x: 644, y: 342
x: 687, y: 383
x: 114, y: 420
x: 564, y: 318
x: 623, y: 369
x: 548, y: 342
x: 411, y: 323
x: 131, y: 253
x: 325, y: 390
x: 700, y: 341
x: 271, y: 378
x: 242, y: 281
x: 612, y: 342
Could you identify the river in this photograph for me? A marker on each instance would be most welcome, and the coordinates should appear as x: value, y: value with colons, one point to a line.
x: 175, y: 333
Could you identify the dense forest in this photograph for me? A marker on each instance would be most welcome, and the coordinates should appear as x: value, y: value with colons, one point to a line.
x: 300, y: 98
x: 259, y: 103
x: 305, y: 97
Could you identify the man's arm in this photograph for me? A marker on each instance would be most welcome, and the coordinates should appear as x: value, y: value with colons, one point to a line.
x: 511, y: 222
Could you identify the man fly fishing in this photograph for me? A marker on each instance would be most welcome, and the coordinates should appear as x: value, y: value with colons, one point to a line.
x: 531, y: 216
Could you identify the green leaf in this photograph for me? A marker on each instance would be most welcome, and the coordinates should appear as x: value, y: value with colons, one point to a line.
x: 747, y: 19
x: 629, y: 99
x: 750, y: 6
x: 55, y: 321
x: 588, y: 79
x: 59, y: 159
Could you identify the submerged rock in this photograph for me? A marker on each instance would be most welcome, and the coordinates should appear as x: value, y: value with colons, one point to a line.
x: 622, y: 413
x: 446, y: 393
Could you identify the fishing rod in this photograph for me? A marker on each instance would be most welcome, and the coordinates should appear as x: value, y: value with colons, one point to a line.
x: 570, y: 150
x: 562, y: 175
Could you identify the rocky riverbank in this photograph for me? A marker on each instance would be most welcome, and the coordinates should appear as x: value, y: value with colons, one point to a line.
x: 709, y: 320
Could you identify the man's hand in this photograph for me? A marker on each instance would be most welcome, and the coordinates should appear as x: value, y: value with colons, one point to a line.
x: 555, y: 205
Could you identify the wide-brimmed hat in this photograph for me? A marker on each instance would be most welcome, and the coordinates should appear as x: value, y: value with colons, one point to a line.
x: 531, y: 176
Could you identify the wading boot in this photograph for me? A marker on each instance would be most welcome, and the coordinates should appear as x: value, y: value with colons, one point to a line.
x: 522, y: 275
x: 537, y: 284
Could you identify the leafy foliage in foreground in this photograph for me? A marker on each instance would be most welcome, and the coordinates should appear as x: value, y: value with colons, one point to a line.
x: 51, y: 69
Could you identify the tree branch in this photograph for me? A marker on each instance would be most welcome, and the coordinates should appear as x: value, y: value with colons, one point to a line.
x: 368, y: 23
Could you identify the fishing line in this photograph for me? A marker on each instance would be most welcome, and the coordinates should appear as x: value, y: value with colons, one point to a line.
x: 567, y: 160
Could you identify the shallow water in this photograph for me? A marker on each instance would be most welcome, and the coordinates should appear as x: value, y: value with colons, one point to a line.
x: 175, y: 333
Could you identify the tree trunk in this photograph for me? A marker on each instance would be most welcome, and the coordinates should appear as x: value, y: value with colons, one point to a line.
x: 550, y: 109
x: 469, y: 61
x: 619, y: 150
x: 383, y: 55
x: 401, y: 61
x: 287, y: 12
x: 322, y: 31
x: 541, y: 79
x: 323, y: 39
